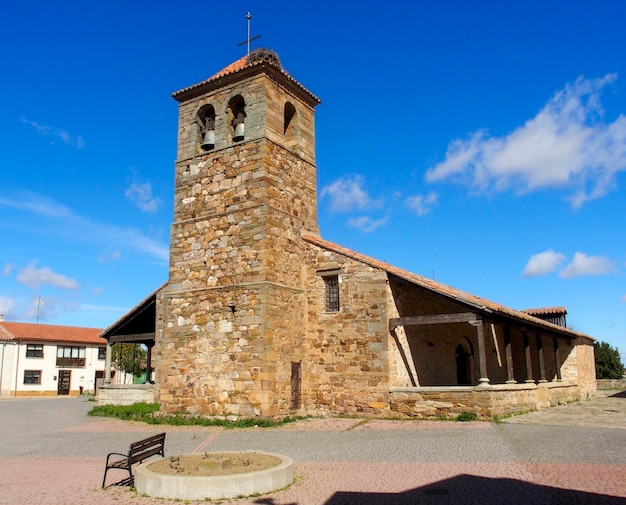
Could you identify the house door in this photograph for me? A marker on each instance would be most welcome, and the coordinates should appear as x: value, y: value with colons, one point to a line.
x: 63, y: 387
x: 99, y: 380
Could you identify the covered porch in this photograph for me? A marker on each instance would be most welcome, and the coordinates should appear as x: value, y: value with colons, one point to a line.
x: 458, y: 353
x: 136, y: 327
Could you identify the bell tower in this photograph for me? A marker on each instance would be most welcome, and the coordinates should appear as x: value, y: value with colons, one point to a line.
x: 231, y: 316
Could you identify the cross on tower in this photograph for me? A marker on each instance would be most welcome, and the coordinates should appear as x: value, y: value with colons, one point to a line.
x: 249, y: 17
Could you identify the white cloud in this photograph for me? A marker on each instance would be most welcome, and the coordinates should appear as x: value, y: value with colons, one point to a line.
x: 74, y: 227
x: 34, y: 277
x: 566, y: 145
x: 422, y: 204
x: 623, y: 298
x: 6, y: 304
x: 365, y: 224
x: 141, y: 196
x: 582, y: 264
x: 65, y: 136
x: 543, y: 263
x: 8, y: 269
x: 347, y: 194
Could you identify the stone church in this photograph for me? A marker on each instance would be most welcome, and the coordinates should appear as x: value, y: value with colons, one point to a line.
x: 261, y: 316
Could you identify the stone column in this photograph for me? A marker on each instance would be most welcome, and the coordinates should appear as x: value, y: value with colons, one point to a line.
x: 107, y: 364
x: 510, y: 373
x: 529, y: 363
x: 482, y: 355
x: 542, y: 362
x: 557, y: 359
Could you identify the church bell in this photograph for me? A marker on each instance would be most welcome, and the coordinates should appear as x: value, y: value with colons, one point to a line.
x: 209, y: 140
x: 240, y: 129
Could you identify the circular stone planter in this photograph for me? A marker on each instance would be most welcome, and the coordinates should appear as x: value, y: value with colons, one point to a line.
x: 200, y: 487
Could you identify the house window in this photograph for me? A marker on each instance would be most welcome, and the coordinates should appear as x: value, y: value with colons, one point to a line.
x: 102, y: 352
x: 34, y: 351
x: 70, y: 356
x: 32, y: 376
x: 332, y: 293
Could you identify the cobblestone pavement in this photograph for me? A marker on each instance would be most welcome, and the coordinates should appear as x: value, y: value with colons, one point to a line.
x: 52, y: 453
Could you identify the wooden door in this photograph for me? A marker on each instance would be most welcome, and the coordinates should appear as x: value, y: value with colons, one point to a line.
x: 63, y: 387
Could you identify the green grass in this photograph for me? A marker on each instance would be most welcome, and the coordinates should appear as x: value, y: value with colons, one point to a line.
x: 467, y: 416
x: 144, y: 412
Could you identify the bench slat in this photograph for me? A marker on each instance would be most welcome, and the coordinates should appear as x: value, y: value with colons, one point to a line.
x: 137, y: 452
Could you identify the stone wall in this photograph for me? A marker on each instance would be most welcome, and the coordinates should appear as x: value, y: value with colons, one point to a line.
x: 485, y: 401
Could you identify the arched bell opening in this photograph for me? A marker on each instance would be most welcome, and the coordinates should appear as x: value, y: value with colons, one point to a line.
x: 206, y: 123
x: 289, y: 124
x: 237, y: 117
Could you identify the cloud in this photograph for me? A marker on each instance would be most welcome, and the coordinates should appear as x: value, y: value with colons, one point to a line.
x: 422, y: 204
x: 48, y: 131
x: 74, y: 227
x: 7, y: 304
x: 365, y: 224
x: 566, y: 145
x: 582, y: 264
x: 141, y: 196
x: 543, y: 263
x: 47, y: 309
x: 347, y: 194
x: 623, y: 298
x: 8, y: 269
x: 34, y: 277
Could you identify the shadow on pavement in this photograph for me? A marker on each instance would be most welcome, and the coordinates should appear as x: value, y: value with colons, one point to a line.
x: 470, y: 490
x: 621, y: 394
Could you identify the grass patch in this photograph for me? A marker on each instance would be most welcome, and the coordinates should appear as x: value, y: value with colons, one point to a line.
x: 467, y: 416
x: 145, y: 412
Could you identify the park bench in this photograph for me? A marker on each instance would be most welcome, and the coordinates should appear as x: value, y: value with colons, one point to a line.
x: 137, y: 453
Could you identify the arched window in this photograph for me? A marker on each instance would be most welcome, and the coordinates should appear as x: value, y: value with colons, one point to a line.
x: 237, y: 117
x: 206, y: 127
x: 289, y: 124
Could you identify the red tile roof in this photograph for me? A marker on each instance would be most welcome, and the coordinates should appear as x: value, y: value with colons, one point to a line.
x: 546, y: 311
x: 50, y: 333
x: 477, y: 302
x: 241, y: 64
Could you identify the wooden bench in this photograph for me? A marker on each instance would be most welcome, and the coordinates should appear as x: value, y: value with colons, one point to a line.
x: 137, y: 452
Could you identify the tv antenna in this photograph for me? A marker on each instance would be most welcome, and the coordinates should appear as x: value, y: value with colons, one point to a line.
x: 249, y: 17
x: 39, y: 304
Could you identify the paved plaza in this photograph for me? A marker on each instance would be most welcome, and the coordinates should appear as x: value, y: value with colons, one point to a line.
x: 51, y: 452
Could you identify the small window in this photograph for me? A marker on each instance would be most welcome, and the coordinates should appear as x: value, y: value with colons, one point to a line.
x: 332, y: 293
x: 102, y: 353
x: 32, y: 376
x: 34, y: 351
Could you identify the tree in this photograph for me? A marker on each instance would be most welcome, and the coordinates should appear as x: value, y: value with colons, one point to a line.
x: 129, y: 358
x: 608, y: 361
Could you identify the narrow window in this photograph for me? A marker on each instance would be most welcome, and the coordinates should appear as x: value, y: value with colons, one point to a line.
x: 296, y: 384
x: 32, y: 376
x: 332, y: 293
x: 34, y: 351
x: 102, y: 352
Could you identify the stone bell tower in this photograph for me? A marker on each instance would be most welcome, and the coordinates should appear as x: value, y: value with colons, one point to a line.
x: 230, y: 323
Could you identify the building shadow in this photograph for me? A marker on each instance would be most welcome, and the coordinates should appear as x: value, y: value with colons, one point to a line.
x: 621, y: 394
x: 471, y: 490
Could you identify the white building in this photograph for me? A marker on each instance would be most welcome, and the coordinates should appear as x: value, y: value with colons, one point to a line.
x: 49, y: 360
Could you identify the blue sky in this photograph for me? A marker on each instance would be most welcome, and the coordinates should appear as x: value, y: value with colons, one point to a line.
x: 482, y: 145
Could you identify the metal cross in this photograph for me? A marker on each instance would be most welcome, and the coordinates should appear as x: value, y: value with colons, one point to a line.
x: 249, y: 17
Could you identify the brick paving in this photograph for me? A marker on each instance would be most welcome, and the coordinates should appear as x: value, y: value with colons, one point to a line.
x: 52, y: 453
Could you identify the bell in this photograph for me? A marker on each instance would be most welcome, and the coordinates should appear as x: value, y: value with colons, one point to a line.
x: 240, y: 129
x: 209, y: 140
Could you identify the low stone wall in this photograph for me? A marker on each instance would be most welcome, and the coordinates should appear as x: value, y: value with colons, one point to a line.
x: 485, y: 401
x: 125, y: 394
x: 611, y: 383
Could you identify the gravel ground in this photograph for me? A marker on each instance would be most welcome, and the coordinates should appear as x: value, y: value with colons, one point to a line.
x: 52, y: 453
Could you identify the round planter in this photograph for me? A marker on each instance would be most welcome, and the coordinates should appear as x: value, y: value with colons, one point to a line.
x: 200, y: 487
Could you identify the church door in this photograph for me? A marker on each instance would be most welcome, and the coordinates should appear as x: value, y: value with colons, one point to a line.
x: 463, y: 367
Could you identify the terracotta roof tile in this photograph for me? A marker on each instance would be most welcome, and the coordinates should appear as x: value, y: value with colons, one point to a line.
x: 546, y: 311
x: 449, y: 291
x: 50, y: 333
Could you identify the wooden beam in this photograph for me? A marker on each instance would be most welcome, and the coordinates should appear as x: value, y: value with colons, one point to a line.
x: 138, y: 337
x: 461, y: 317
